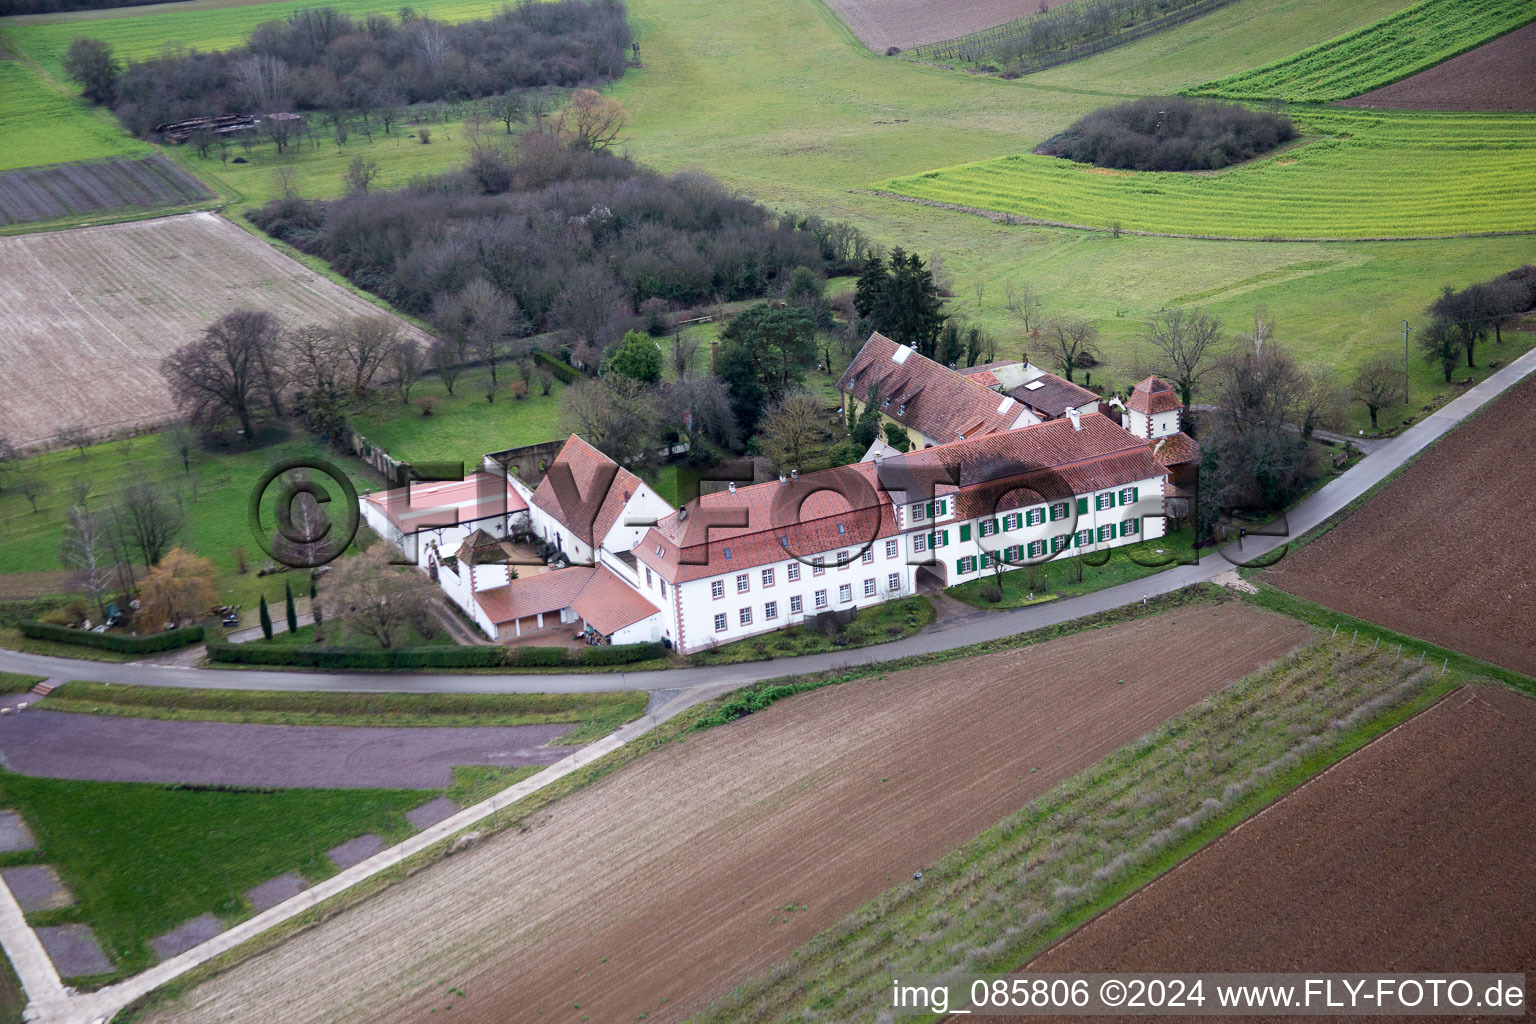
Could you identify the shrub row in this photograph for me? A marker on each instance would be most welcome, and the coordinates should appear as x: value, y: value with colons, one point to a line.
x: 565, y: 372
x: 169, y: 640
x: 427, y: 657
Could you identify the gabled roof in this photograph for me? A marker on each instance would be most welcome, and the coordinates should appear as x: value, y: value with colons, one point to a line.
x: 606, y: 602
x: 927, y: 396
x: 1175, y: 449
x: 1153, y: 395
x: 1052, y: 396
x: 426, y: 506
x: 590, y: 515
x: 771, y: 530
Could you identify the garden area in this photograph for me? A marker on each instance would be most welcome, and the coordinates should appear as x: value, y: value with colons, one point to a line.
x: 1073, y: 577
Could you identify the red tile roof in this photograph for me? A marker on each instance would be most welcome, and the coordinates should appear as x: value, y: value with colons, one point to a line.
x: 606, y: 602
x: 771, y: 530
x: 588, y: 467
x: 986, y: 378
x: 425, y: 506
x: 930, y: 398
x: 1054, y: 395
x: 1153, y: 395
x: 1175, y: 449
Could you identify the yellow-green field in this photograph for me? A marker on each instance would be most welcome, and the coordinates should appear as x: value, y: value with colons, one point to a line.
x: 39, y: 125
x: 1366, y: 174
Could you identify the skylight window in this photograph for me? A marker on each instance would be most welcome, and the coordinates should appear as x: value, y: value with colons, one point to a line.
x: 1034, y: 385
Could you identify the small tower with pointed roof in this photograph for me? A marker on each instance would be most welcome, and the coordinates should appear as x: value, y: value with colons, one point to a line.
x: 1154, y: 409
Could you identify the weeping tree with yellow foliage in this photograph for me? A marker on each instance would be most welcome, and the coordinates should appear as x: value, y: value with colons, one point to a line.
x: 176, y: 591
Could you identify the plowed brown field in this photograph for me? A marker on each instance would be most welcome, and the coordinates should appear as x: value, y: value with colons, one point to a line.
x: 880, y: 24
x: 87, y: 315
x: 1500, y: 75
x: 1442, y: 552
x: 661, y: 886
x: 1415, y: 854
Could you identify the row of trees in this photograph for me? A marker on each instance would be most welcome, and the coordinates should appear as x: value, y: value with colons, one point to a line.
x: 320, y: 59
x: 555, y: 235
x: 1461, y: 319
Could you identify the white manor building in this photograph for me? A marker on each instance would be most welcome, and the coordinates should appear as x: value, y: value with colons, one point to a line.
x: 749, y: 559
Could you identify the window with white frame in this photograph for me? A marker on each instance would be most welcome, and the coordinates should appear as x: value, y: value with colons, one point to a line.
x: 893, y: 581
x: 648, y: 583
x: 770, y: 611
x: 1035, y: 516
x: 792, y: 572
x: 1058, y: 511
x: 1107, y: 532
x: 746, y: 616
x: 920, y: 542
x: 717, y: 588
x: 1130, y: 526
x: 1036, y: 548
x: 767, y: 577
x: 988, y: 527
x: 842, y: 559
x: 818, y: 565
x: 821, y: 599
x: 1060, y: 542
x: 1127, y: 495
x: 795, y: 605
x: 845, y: 593
x: 919, y: 512
x: 1104, y: 501
x: 869, y: 555
x: 720, y: 623
x: 743, y: 584
x: 892, y: 548
x: 663, y: 588
x: 869, y: 587
x: 988, y: 560
x: 1084, y: 538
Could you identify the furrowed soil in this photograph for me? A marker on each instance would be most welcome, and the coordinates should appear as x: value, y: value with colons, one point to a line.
x: 87, y: 315
x: 1415, y: 854
x: 660, y: 887
x: 1500, y: 75
x: 881, y: 24
x: 1437, y: 554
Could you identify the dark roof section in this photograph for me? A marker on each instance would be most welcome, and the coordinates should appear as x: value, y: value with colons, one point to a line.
x: 1054, y: 396
x: 927, y: 396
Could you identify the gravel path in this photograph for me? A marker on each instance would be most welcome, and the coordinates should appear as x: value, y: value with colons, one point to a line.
x: 79, y: 746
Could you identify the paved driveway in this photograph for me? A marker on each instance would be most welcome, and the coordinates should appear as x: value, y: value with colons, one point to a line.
x: 68, y: 745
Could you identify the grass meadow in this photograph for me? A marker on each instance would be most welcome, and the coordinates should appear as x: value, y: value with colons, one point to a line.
x: 40, y: 125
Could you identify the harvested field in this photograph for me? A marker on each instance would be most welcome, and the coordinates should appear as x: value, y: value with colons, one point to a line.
x: 87, y: 315
x: 1438, y: 553
x: 1416, y: 853
x: 1500, y: 75
x: 658, y: 888
x: 881, y: 24
x: 63, y: 190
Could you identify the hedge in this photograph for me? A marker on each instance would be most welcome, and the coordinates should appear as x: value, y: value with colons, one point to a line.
x: 148, y: 644
x: 257, y: 653
x: 564, y: 371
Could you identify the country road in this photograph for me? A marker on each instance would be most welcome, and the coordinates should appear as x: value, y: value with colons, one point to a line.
x: 1387, y: 456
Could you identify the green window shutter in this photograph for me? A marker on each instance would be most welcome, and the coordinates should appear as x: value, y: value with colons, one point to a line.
x: 960, y: 565
x: 944, y: 537
x: 965, y: 532
x: 930, y: 510
x: 1135, y: 494
x: 994, y: 526
x: 931, y: 544
x: 1082, y: 506
x: 1111, y: 531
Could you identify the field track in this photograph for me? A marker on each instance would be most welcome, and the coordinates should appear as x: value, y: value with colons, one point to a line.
x: 1500, y: 75
x: 1438, y: 553
x: 658, y: 888
x: 1415, y: 854
x: 86, y: 315
x: 881, y: 24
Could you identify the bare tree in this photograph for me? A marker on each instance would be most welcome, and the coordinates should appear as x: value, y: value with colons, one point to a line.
x: 364, y: 343
x: 359, y: 176
x: 1023, y: 302
x: 445, y: 363
x: 592, y: 310
x: 619, y: 415
x: 792, y: 429
x: 409, y: 363
x: 76, y: 436
x: 86, y: 549
x: 314, y: 356
x: 373, y: 598
x: 703, y: 407
x: 32, y: 486
x: 1070, y: 339
x: 222, y: 373
x: 177, y: 591
x: 147, y: 519
x: 1185, y: 344
x: 592, y: 120
x: 1378, y: 384
x: 685, y: 346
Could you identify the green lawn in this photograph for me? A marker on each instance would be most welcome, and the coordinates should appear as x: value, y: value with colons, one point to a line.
x: 474, y: 783
x: 214, y: 495
x: 141, y: 859
x: 16, y: 682
x: 305, y: 635
x: 463, y: 426
x: 1058, y: 578
x: 39, y: 125
x: 594, y: 714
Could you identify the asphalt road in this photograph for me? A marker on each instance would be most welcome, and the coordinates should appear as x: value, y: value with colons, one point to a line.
x: 1385, y: 457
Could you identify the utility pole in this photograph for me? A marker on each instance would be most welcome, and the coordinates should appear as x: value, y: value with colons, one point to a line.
x: 1406, y: 329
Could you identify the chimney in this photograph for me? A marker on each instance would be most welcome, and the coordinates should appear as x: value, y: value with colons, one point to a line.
x: 794, y: 474
x: 1076, y: 418
x: 712, y: 344
x: 879, y: 459
x: 783, y: 479
x: 731, y: 486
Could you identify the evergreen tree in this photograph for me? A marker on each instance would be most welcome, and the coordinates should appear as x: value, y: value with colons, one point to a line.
x: 868, y: 293
x: 897, y: 437
x: 293, y: 614
x: 266, y: 619
x: 867, y: 426
x: 903, y: 303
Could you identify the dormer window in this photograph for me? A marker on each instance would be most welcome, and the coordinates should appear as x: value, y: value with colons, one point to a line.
x: 727, y: 554
x: 842, y: 528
